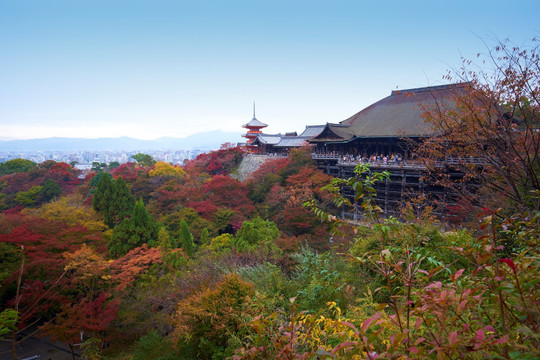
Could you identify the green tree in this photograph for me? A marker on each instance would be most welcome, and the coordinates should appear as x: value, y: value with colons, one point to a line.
x: 221, y: 243
x: 50, y: 190
x: 113, y: 200
x: 30, y: 197
x: 15, y: 166
x: 103, y: 198
x: 153, y: 346
x: 113, y: 165
x: 10, y: 258
x: 134, y: 232
x: 95, y: 180
x: 319, y: 279
x: 144, y: 159
x: 257, y: 231
x: 98, y: 167
x: 122, y: 202
x: 164, y: 240
x: 186, y: 239
x: 204, y: 237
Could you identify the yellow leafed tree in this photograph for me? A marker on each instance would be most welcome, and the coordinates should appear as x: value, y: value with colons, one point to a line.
x: 161, y: 168
x: 71, y: 210
x: 89, y: 270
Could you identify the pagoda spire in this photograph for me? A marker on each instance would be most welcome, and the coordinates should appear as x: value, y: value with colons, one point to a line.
x: 254, y: 110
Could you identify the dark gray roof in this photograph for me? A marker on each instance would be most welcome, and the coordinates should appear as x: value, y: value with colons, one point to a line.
x: 312, y: 130
x: 270, y: 139
x: 334, y: 132
x: 255, y: 123
x: 292, y: 141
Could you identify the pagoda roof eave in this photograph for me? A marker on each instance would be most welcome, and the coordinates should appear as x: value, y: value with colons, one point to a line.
x: 254, y: 123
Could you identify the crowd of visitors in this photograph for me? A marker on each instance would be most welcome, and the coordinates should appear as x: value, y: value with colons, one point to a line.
x: 392, y: 159
x: 374, y: 159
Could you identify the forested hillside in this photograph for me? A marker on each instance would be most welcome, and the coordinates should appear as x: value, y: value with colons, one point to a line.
x: 114, y: 254
x: 151, y: 261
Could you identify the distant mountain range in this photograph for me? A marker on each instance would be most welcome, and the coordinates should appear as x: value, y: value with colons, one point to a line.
x: 205, y: 140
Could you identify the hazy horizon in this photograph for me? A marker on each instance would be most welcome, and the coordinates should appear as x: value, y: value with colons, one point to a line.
x: 123, y: 136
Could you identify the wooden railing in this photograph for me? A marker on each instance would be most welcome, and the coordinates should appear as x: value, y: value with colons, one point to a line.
x: 344, y: 160
x: 325, y: 156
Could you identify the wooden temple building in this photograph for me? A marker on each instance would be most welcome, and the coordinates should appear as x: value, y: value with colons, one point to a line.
x: 382, y: 134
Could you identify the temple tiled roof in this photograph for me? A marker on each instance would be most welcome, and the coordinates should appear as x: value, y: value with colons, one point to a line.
x: 312, y: 130
x: 397, y: 115
x: 334, y: 132
x: 254, y: 123
x: 269, y: 139
x: 292, y: 141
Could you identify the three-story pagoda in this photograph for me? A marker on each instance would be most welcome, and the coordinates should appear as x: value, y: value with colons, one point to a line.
x: 254, y: 128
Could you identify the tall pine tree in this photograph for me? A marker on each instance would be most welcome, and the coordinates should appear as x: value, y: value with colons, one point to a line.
x: 205, y: 239
x: 113, y: 200
x: 186, y: 239
x: 103, y: 198
x: 134, y: 232
x: 165, y: 241
x: 123, y: 202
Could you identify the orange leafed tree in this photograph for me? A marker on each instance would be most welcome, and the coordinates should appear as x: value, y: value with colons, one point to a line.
x: 127, y: 268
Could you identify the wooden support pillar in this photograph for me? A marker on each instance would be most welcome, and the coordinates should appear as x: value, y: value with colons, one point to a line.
x: 386, y: 189
x: 403, y: 184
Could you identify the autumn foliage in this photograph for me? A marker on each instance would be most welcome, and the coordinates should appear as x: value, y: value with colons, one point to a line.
x: 204, y: 266
x: 489, y: 129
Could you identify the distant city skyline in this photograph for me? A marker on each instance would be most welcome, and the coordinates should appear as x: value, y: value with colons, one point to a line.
x: 151, y: 69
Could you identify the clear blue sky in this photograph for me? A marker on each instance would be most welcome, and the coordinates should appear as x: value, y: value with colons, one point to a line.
x: 146, y: 69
